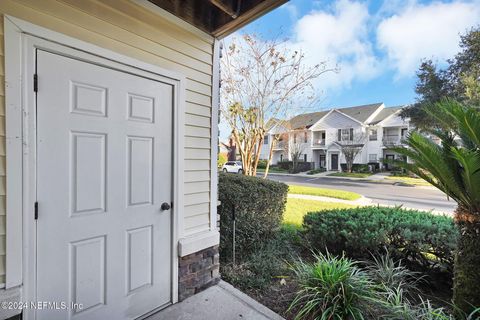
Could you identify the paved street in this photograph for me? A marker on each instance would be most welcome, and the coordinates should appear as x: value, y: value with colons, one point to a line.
x: 386, y: 194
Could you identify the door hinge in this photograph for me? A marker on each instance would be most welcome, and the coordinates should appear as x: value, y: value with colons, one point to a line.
x: 35, y: 206
x: 35, y: 83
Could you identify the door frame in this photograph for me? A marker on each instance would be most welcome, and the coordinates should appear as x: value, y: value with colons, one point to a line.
x: 21, y: 41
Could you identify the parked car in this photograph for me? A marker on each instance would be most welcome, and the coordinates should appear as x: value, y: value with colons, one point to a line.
x: 233, y: 167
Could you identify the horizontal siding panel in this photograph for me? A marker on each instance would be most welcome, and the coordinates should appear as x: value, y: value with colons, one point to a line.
x: 2, y: 146
x: 2, y: 245
x: 199, y: 87
x: 203, y: 42
x: 103, y: 10
x: 2, y: 86
x: 2, y: 165
x: 198, y: 109
x: 201, y: 154
x: 195, y: 142
x: 191, y: 131
x: 92, y: 23
x: 2, y: 104
x: 197, y: 176
x: 2, y: 126
x: 53, y: 23
x: 197, y: 187
x: 201, y: 197
x: 196, y: 209
x: 197, y: 229
x: 2, y: 225
x: 197, y: 121
x: 2, y: 186
x: 197, y: 164
x: 194, y: 221
x: 3, y: 205
x: 197, y: 98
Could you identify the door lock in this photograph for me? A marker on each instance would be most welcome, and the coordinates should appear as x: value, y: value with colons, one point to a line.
x: 165, y: 206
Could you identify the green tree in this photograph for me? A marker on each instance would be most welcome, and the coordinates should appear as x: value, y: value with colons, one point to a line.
x: 454, y: 167
x: 460, y: 80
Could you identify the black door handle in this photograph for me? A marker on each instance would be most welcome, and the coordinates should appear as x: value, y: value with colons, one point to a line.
x: 165, y: 206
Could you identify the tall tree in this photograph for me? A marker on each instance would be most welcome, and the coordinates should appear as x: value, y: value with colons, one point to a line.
x: 262, y: 80
x: 460, y: 80
x: 454, y: 167
x: 352, y: 147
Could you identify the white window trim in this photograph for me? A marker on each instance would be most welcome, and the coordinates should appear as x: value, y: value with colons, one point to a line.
x: 22, y: 37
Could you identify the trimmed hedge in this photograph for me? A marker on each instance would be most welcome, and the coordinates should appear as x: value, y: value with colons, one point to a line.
x: 262, y: 164
x: 302, y: 166
x: 420, y: 238
x: 259, y: 205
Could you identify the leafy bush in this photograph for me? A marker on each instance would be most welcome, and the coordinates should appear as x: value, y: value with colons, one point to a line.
x: 258, y: 205
x: 262, y: 164
x: 416, y: 237
x: 302, y: 166
x: 257, y: 270
x: 315, y: 171
x: 331, y: 288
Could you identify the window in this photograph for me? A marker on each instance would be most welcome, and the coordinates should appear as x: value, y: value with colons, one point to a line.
x: 372, y: 157
x: 305, y: 139
x: 265, y: 139
x: 345, y: 134
x: 294, y: 138
x: 372, y: 135
x: 305, y: 157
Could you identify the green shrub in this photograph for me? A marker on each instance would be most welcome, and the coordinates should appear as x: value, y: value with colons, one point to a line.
x: 417, y: 237
x: 258, y: 205
x: 262, y: 164
x: 258, y: 270
x: 331, y: 288
x: 315, y: 171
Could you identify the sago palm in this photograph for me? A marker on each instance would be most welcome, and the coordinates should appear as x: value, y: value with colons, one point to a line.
x: 453, y: 166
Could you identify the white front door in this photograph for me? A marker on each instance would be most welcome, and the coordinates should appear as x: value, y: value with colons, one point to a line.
x: 104, y: 167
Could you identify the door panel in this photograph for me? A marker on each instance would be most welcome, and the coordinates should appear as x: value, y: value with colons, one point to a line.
x: 104, y: 163
x: 334, y: 162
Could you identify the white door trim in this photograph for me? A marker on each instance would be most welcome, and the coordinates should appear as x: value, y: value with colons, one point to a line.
x: 21, y: 40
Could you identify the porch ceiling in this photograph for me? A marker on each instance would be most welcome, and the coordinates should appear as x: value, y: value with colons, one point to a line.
x: 218, y: 17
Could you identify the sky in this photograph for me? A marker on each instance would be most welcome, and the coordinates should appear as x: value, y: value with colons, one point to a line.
x: 378, y: 45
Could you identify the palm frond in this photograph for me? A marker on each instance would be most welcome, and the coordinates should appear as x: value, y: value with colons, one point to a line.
x: 454, y: 165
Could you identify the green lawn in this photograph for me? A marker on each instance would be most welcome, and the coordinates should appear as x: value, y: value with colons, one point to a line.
x: 297, y: 208
x: 332, y: 193
x: 350, y: 175
x: 409, y: 180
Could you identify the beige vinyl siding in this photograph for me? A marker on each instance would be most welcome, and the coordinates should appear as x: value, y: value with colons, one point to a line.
x: 131, y: 30
x: 2, y: 158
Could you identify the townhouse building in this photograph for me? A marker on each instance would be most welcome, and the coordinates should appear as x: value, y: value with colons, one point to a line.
x: 319, y: 136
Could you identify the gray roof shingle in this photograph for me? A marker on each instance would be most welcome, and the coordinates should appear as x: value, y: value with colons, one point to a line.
x: 383, y: 114
x: 306, y: 120
x: 360, y: 113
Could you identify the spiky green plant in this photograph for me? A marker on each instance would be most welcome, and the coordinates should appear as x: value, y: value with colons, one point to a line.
x: 453, y: 166
x: 393, y: 275
x: 331, y: 288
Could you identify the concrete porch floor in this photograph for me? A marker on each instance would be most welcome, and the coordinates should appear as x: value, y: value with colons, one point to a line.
x: 220, y: 302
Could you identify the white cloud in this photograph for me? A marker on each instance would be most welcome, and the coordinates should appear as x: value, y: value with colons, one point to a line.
x: 340, y: 36
x: 425, y: 31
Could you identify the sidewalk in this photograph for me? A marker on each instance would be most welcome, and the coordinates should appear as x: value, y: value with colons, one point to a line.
x: 220, y: 302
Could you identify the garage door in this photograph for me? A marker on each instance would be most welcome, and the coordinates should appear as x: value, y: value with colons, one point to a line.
x: 104, y: 168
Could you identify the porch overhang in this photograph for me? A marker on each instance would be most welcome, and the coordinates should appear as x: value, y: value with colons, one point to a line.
x: 218, y: 18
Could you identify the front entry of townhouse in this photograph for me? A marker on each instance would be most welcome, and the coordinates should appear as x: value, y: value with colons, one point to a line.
x: 104, y: 169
